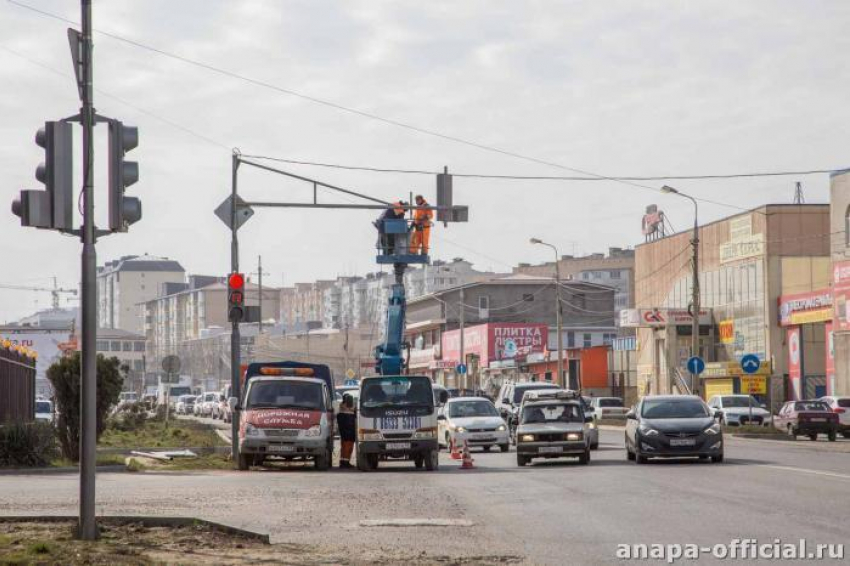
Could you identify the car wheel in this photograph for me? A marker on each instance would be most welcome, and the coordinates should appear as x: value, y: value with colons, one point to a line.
x: 629, y: 455
x: 717, y: 459
x: 813, y: 436
x: 432, y: 461
x: 521, y: 460
x: 792, y: 433
x: 584, y: 459
x: 244, y: 463
x: 505, y: 447
x: 832, y: 436
x: 363, y: 462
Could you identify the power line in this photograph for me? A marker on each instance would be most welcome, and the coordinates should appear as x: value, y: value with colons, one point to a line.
x: 361, y: 113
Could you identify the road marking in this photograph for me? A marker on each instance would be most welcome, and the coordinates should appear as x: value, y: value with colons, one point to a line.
x: 806, y: 471
x: 416, y: 523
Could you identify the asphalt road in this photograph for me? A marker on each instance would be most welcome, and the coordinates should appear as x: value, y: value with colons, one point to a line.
x: 548, y: 513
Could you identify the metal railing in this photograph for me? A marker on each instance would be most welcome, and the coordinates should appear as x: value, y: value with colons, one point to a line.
x: 17, y: 387
x: 680, y: 383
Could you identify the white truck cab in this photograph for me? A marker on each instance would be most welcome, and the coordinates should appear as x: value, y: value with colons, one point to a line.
x: 397, y: 418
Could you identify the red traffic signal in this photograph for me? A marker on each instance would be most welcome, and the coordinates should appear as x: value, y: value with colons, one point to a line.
x: 236, y: 282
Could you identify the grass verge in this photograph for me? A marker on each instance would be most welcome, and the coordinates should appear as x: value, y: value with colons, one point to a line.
x: 154, y: 434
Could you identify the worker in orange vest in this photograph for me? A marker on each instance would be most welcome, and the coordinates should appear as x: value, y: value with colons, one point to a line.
x: 421, y: 227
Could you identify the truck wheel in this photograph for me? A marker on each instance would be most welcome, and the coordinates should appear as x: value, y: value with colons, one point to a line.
x: 418, y: 461
x: 584, y: 459
x: 505, y: 447
x: 832, y: 436
x: 244, y: 462
x: 432, y: 461
x: 363, y: 462
x: 813, y: 436
x: 322, y: 462
x: 846, y: 434
x: 521, y: 460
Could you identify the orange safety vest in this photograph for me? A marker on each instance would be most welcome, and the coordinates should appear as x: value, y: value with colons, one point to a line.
x: 422, y: 217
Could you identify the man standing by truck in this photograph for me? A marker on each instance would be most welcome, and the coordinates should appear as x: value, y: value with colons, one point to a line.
x: 347, y: 424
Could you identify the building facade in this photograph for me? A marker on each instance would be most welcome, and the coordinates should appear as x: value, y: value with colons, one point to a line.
x: 839, y: 370
x: 129, y: 348
x: 751, y: 267
x: 126, y: 283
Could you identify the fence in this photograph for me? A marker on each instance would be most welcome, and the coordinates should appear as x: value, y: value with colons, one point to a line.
x: 17, y: 383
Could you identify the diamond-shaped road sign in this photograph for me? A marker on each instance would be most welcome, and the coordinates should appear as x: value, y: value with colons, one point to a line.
x: 225, y: 211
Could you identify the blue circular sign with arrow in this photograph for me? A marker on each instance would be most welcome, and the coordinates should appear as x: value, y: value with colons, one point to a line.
x: 461, y: 369
x: 750, y: 363
x: 696, y: 365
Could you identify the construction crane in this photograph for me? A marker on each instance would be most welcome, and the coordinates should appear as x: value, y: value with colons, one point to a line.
x: 54, y: 291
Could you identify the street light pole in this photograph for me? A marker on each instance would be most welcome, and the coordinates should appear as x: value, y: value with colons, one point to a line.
x: 562, y: 379
x: 695, y: 291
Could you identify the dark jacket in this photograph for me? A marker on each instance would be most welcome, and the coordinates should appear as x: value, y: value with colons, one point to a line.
x: 347, y: 423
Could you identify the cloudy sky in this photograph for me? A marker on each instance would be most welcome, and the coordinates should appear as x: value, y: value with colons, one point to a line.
x: 611, y: 87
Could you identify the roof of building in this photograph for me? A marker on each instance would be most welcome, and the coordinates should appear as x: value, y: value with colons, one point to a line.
x: 513, y: 279
x: 141, y: 263
x: 118, y: 334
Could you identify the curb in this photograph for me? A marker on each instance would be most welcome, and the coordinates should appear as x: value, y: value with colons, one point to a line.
x: 197, y: 449
x: 146, y: 520
x: 112, y: 468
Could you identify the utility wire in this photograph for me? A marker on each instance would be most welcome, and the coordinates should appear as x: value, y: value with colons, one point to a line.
x: 361, y: 113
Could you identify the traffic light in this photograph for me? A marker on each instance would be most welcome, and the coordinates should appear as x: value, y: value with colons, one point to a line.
x: 123, y: 210
x: 52, y: 207
x: 235, y: 297
x: 444, y: 197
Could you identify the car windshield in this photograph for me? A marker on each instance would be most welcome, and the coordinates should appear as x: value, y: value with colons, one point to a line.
x: 552, y: 413
x: 43, y: 407
x: 397, y: 391
x: 461, y: 409
x: 739, y: 401
x: 520, y: 391
x: 178, y: 391
x: 187, y: 398
x: 811, y: 406
x: 285, y: 394
x: 673, y: 409
x: 611, y: 402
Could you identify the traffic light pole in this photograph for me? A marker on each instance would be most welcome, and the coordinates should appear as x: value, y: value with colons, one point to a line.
x: 87, y: 528
x: 235, y: 353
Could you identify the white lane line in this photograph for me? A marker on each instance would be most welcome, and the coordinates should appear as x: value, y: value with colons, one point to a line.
x: 416, y: 523
x: 806, y: 471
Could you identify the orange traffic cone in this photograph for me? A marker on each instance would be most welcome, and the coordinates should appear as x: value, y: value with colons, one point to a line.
x: 454, y: 449
x: 467, y: 457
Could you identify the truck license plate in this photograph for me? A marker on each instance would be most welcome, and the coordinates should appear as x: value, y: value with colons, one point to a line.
x: 550, y: 450
x: 281, y: 448
x: 398, y: 446
x: 682, y: 442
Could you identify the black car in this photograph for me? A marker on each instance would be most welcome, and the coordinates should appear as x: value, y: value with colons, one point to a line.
x: 672, y: 426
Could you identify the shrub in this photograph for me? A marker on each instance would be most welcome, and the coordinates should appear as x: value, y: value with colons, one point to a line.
x: 64, y: 376
x: 128, y: 418
x: 27, y: 445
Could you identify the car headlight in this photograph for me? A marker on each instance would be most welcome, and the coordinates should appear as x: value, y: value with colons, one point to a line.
x: 648, y: 431
x: 251, y: 430
x: 574, y: 436
x: 526, y: 438
x: 460, y: 429
x: 315, y: 430
x: 713, y: 429
x: 367, y: 434
x: 425, y: 433
x: 501, y: 428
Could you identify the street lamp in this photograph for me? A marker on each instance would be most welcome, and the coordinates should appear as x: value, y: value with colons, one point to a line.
x: 695, y: 298
x: 558, y: 312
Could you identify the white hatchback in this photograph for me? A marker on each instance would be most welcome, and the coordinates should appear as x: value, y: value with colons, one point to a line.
x: 472, y: 419
x: 840, y: 405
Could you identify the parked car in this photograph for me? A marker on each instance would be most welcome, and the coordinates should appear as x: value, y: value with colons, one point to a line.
x: 809, y: 418
x: 841, y: 406
x: 198, y: 406
x: 208, y: 401
x: 44, y: 410
x: 226, y: 413
x: 672, y: 426
x: 217, y: 409
x: 608, y: 408
x: 472, y: 419
x: 737, y: 410
x: 552, y: 426
x: 185, y: 405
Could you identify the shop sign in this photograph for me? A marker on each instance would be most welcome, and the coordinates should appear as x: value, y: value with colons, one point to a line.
x: 795, y: 368
x: 726, y: 330
x: 752, y: 246
x: 753, y: 385
x: 841, y: 295
x: 654, y: 318
x: 732, y: 369
x: 830, y: 358
x: 805, y: 308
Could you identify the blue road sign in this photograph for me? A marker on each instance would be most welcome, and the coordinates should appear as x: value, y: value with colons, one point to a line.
x: 696, y: 365
x: 750, y: 363
x: 461, y: 369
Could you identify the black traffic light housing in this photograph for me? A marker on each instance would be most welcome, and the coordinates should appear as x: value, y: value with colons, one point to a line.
x: 53, y: 207
x: 235, y: 297
x: 123, y: 210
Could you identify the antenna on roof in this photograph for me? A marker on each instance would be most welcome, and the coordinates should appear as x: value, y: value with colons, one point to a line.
x: 798, y: 194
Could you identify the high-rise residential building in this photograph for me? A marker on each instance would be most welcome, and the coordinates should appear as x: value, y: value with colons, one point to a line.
x: 123, y: 285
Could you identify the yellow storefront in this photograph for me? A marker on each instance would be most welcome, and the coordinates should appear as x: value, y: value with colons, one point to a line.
x: 727, y: 378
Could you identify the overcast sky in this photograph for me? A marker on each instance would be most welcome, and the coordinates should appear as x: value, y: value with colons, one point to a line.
x: 612, y: 87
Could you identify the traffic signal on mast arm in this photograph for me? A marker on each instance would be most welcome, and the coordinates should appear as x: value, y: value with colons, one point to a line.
x: 123, y: 210
x: 53, y: 207
x: 235, y: 297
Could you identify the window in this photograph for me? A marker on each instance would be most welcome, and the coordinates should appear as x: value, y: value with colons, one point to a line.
x: 615, y: 274
x: 103, y: 345
x: 588, y: 340
x: 127, y: 346
x: 139, y: 347
x: 597, y: 275
x: 571, y: 339
x: 484, y: 302
x: 138, y: 365
x: 608, y: 338
x: 115, y: 346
